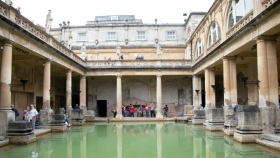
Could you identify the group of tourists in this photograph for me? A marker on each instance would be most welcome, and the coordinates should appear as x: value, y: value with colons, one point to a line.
x: 148, y: 110
x: 30, y: 114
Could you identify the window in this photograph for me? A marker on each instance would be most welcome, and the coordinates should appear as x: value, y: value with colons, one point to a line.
x: 141, y: 35
x: 114, y: 18
x: 199, y: 47
x: 214, y: 33
x: 112, y: 36
x: 82, y: 36
x: 171, y: 35
x: 238, y: 9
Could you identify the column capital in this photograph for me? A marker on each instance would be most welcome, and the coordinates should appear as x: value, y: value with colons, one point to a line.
x: 118, y: 75
x: 230, y: 57
x: 266, y: 38
x: 8, y: 43
x: 159, y: 75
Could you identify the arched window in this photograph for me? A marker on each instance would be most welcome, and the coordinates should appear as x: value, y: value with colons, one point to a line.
x: 199, y: 47
x: 238, y: 9
x: 214, y: 33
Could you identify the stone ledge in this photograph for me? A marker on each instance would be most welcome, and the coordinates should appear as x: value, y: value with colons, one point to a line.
x: 4, y: 142
x: 245, y: 138
x: 270, y: 137
x: 22, y: 139
x: 269, y: 144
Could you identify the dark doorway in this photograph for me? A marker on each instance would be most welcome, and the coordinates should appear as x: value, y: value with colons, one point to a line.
x: 39, y: 103
x: 75, y: 100
x: 102, y: 108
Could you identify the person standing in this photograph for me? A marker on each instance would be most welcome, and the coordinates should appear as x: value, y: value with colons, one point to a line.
x: 147, y: 109
x: 165, y: 111
x: 33, y: 114
x: 15, y: 111
x: 27, y: 114
x: 131, y: 110
x: 152, y: 108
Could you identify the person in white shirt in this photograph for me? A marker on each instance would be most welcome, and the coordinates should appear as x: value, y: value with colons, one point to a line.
x: 33, y: 113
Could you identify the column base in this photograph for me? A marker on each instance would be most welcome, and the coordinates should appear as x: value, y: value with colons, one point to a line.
x: 78, y: 122
x: 229, y: 127
x: 198, y: 121
x: 45, y: 116
x: 6, y: 116
x: 119, y: 117
x: 62, y: 128
x: 27, y: 139
x: 215, y: 126
x: 159, y: 116
x: 245, y: 138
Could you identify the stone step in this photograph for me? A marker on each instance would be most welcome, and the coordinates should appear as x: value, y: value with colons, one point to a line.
x: 268, y: 143
x: 270, y: 137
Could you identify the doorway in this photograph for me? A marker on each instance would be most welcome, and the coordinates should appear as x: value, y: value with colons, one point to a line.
x: 102, y: 108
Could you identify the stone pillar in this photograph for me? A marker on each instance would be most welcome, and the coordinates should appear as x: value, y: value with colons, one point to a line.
x: 46, y: 112
x: 196, y: 92
x: 119, y: 97
x: 212, y: 92
x: 230, y: 94
x: 6, y: 114
x: 268, y: 81
x: 207, y: 89
x: 83, y: 94
x: 159, y: 98
x: 69, y: 91
x: 47, y: 84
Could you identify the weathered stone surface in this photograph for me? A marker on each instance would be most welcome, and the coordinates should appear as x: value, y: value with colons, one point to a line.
x: 249, y: 124
x: 77, y: 114
x: 268, y: 119
x: 199, y: 117
x: 188, y: 110
x: 45, y: 116
x: 62, y: 128
x: 6, y: 116
x: 22, y: 139
x: 215, y: 119
x: 248, y: 118
x: 19, y: 126
x: 57, y: 119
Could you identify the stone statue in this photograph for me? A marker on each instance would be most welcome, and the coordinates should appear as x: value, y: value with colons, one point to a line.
x: 83, y: 52
x: 158, y: 51
x: 118, y: 51
x: 49, y: 20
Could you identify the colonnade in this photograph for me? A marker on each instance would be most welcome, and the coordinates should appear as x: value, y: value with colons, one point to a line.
x: 267, y: 80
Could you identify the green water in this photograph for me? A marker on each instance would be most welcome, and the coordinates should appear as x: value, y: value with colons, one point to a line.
x: 137, y: 140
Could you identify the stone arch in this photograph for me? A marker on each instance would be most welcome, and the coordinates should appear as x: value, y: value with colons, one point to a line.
x: 139, y: 90
x: 169, y: 92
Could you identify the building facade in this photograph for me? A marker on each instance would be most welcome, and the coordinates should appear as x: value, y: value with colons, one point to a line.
x: 226, y: 57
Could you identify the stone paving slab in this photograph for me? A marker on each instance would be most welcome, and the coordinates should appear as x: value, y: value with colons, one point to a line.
x: 270, y: 137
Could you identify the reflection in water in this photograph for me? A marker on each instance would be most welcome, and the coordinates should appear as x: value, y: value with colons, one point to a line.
x: 138, y: 140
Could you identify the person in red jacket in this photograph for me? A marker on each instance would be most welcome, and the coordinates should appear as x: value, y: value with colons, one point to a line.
x: 131, y: 110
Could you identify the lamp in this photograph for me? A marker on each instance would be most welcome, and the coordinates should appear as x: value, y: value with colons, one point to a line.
x: 126, y: 41
x: 96, y: 41
x: 197, y: 91
x: 245, y: 81
x: 215, y: 87
x: 23, y: 83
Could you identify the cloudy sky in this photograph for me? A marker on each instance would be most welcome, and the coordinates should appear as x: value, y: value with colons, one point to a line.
x: 80, y: 11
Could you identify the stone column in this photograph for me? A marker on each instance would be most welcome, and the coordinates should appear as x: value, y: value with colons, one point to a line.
x: 212, y: 92
x: 6, y: 114
x: 69, y: 91
x: 230, y: 94
x: 196, y: 92
x: 159, y: 98
x: 262, y: 72
x: 268, y: 82
x: 207, y: 89
x: 47, y: 84
x: 46, y: 112
x: 6, y: 77
x: 83, y: 94
x: 119, y: 97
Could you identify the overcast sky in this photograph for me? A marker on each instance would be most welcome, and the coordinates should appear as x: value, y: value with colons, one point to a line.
x: 80, y: 11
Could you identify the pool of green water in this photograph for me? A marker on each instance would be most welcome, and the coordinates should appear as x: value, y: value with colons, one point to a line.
x: 137, y: 140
